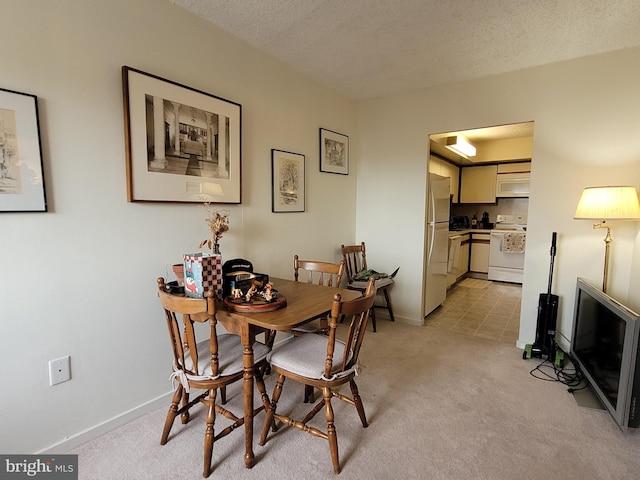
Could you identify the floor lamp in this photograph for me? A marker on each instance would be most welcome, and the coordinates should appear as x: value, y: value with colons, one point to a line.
x: 608, y: 203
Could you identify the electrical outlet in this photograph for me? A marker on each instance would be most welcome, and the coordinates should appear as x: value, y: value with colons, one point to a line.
x: 59, y: 370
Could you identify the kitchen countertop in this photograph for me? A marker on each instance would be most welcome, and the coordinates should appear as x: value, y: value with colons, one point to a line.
x: 483, y: 230
x: 468, y: 230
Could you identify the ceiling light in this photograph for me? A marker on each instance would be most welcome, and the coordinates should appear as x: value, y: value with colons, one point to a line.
x: 461, y: 146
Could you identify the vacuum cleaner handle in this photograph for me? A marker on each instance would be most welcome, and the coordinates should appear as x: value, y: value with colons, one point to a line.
x: 553, y: 254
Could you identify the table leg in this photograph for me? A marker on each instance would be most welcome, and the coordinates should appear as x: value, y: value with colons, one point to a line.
x: 248, y: 365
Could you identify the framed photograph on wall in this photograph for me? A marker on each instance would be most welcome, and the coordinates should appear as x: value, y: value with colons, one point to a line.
x: 334, y: 152
x: 21, y: 174
x: 287, y: 182
x: 182, y: 144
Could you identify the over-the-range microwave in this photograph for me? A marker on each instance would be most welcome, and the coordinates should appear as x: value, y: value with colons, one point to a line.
x: 513, y: 184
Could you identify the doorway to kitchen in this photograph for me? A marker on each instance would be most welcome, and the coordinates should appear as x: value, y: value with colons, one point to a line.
x: 488, y: 170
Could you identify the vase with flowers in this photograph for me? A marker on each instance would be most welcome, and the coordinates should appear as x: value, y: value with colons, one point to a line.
x: 218, y: 223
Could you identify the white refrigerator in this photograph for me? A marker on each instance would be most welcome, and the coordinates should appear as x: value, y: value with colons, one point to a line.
x: 437, y: 245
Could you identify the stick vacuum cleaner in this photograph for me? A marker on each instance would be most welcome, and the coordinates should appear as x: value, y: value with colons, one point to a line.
x: 545, y: 345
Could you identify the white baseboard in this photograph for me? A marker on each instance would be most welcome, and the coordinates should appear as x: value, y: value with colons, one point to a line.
x: 68, y: 444
x: 561, y: 340
x: 383, y: 314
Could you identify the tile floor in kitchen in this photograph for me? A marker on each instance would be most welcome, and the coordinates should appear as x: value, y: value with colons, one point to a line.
x: 481, y: 308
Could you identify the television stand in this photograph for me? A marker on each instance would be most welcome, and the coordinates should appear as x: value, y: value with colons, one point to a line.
x: 586, y: 398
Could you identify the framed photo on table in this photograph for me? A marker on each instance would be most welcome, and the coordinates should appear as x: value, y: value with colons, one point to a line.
x: 21, y: 173
x: 182, y: 144
x: 287, y: 182
x: 334, y: 152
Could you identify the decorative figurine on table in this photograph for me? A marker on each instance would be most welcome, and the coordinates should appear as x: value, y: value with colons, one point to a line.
x: 251, y: 292
x: 236, y: 292
x: 261, y: 296
x: 268, y: 294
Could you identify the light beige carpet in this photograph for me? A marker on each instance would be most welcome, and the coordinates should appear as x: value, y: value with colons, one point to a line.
x: 440, y: 405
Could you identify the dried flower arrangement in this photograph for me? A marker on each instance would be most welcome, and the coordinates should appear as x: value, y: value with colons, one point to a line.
x: 218, y: 223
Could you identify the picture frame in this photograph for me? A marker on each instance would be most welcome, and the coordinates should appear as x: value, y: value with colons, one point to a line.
x: 287, y: 181
x: 334, y: 152
x: 194, y: 156
x: 21, y: 165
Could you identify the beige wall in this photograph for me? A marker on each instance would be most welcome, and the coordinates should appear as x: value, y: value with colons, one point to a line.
x: 586, y: 124
x: 80, y: 280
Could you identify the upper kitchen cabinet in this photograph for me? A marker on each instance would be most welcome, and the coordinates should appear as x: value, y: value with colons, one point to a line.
x: 478, y: 184
x: 515, y: 167
x: 446, y: 169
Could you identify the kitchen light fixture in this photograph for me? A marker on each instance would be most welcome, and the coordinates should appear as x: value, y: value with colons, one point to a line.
x: 608, y: 203
x: 461, y: 146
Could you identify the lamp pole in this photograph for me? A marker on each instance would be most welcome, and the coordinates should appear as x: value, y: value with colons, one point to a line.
x: 607, y: 244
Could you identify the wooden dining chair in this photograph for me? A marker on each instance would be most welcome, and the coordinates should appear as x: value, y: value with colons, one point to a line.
x: 355, y: 258
x: 325, y: 363
x: 320, y: 273
x: 208, y: 365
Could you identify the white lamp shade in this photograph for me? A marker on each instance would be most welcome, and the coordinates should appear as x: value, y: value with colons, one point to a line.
x: 608, y: 203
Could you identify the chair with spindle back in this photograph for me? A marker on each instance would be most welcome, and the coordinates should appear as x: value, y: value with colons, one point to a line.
x: 325, y: 363
x: 321, y: 273
x: 208, y: 365
x: 355, y: 258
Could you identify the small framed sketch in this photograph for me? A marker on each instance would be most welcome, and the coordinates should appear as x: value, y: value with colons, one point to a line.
x: 21, y: 177
x: 182, y: 144
x: 334, y: 152
x: 287, y: 181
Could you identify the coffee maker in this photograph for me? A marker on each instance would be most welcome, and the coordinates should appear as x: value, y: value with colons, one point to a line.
x: 484, y: 222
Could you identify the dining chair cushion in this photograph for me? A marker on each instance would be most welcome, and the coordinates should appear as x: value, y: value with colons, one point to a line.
x: 305, y: 356
x: 230, y: 352
x: 362, y: 284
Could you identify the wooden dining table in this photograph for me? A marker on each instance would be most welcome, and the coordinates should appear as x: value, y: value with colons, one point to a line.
x: 305, y: 302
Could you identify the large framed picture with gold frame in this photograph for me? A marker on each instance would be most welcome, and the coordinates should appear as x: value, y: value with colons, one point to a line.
x: 182, y: 144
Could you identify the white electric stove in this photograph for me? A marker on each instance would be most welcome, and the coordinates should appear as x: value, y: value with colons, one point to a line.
x: 507, y: 248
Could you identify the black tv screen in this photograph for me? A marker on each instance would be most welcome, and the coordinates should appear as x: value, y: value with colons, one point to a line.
x: 604, y: 345
x: 599, y: 342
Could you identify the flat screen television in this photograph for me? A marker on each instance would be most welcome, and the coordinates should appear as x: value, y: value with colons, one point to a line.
x: 605, y: 347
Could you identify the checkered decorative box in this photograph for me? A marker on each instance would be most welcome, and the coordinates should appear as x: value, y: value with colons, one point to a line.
x: 202, y: 272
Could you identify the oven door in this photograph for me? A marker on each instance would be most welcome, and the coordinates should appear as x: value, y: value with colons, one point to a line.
x: 504, y: 266
x: 499, y: 258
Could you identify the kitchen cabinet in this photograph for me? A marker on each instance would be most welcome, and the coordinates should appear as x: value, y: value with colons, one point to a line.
x: 479, y: 261
x: 478, y: 184
x: 446, y: 169
x: 514, y: 167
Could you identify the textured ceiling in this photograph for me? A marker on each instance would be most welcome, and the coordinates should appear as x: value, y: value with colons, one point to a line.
x: 374, y: 48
